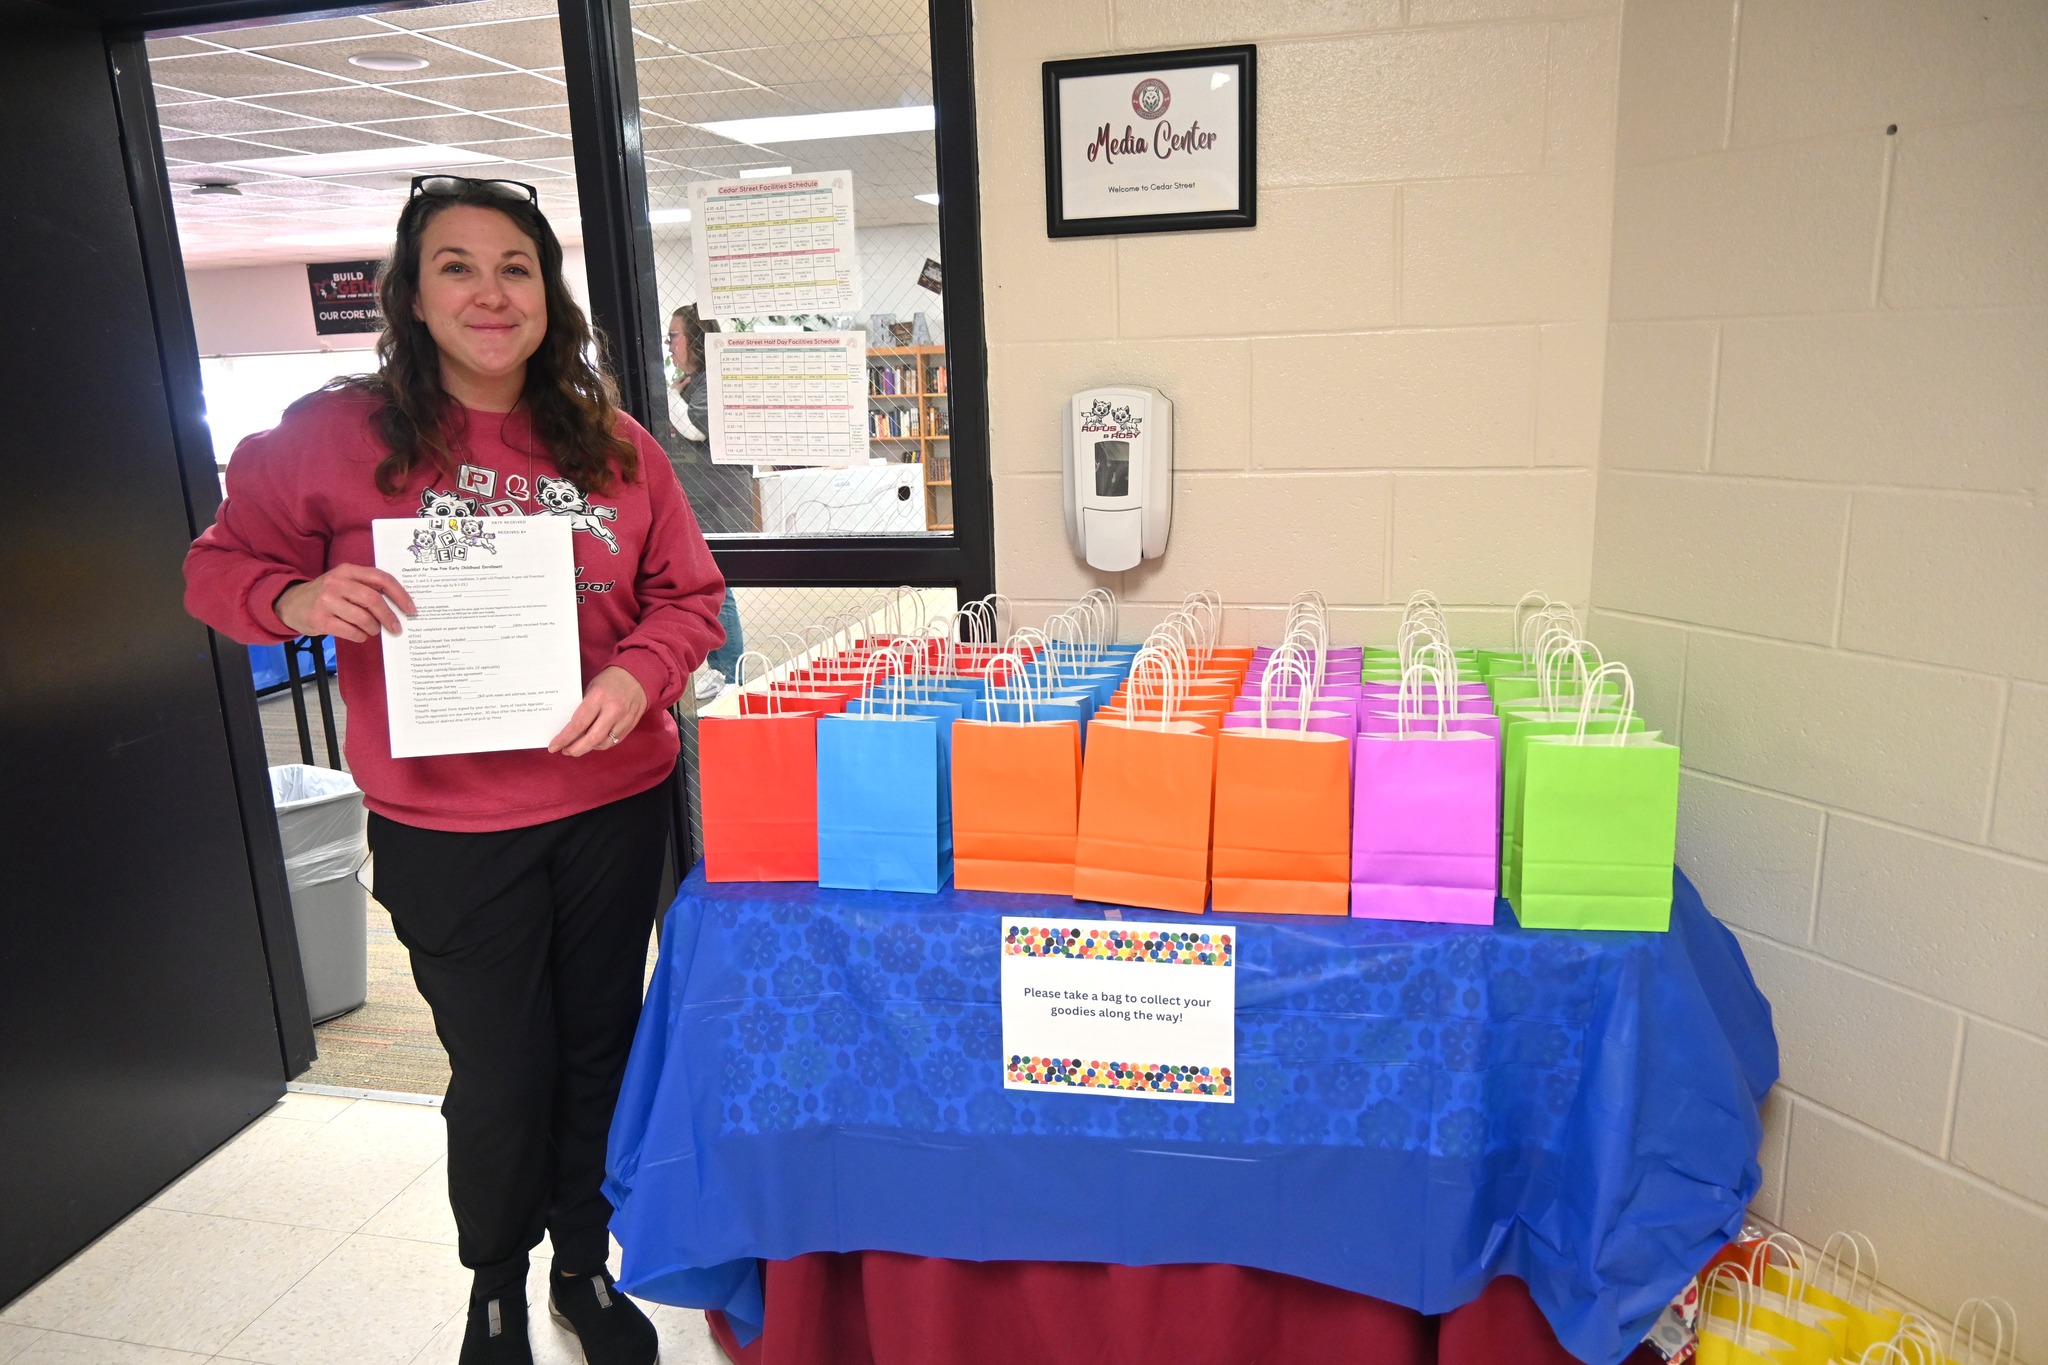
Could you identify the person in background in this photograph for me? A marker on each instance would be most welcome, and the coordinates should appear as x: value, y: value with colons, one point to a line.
x: 687, y: 413
x: 522, y: 883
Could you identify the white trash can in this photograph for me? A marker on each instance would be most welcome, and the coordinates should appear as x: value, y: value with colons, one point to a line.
x: 320, y: 817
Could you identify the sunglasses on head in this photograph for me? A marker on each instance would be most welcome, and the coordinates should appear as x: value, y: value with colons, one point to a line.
x: 442, y: 186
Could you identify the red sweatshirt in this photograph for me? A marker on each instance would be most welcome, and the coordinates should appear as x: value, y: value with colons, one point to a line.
x: 300, y: 499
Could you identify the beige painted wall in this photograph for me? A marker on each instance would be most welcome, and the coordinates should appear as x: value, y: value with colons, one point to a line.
x: 1823, y: 542
x: 1394, y: 380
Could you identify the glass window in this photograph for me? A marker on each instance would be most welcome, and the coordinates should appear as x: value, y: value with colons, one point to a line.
x: 776, y: 100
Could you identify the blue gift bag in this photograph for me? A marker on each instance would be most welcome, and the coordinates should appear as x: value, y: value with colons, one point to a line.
x: 885, y: 818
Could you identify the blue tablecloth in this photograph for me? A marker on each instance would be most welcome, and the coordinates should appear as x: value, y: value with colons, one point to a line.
x: 1420, y: 1108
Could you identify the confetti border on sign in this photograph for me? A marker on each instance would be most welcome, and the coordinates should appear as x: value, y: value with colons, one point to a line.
x: 1157, y: 1079
x: 1182, y: 947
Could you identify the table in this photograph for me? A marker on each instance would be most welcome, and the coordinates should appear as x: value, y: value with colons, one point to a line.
x: 884, y: 1308
x: 1421, y: 1108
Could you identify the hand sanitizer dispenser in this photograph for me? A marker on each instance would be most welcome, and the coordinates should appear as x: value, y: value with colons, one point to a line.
x: 1118, y: 475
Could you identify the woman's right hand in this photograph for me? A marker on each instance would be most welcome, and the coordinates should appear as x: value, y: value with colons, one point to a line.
x: 349, y: 601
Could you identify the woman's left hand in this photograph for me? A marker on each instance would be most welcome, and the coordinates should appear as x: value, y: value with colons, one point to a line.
x: 612, y: 705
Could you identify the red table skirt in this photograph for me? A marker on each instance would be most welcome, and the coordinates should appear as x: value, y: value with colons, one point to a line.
x: 882, y: 1308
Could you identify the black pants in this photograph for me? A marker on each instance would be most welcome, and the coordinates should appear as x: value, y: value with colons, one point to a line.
x: 530, y: 945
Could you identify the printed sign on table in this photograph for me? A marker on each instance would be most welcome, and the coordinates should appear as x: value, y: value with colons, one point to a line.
x: 1147, y: 1011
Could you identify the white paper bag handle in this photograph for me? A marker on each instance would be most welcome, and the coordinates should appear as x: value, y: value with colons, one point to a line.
x: 1104, y: 601
x: 1730, y: 1276
x: 1155, y: 661
x: 1549, y: 646
x: 2005, y: 1343
x: 1436, y: 650
x: 1408, y: 698
x: 1793, y: 1253
x: 886, y: 655
x: 1534, y: 598
x: 739, y: 675
x: 1621, y: 718
x: 1836, y: 1258
x: 1027, y: 701
x: 1288, y: 663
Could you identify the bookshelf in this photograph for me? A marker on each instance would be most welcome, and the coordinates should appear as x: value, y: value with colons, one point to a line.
x: 910, y: 420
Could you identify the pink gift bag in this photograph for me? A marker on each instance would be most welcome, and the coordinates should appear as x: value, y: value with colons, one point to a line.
x: 1425, y: 823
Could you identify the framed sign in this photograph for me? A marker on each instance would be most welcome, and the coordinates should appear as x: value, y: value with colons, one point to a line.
x: 1151, y: 142
x: 345, y: 297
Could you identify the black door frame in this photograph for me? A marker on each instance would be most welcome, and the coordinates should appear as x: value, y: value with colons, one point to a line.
x: 604, y: 121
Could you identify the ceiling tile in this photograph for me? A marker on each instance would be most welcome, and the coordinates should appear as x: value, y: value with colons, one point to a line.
x: 267, y: 35
x: 237, y: 73
x: 212, y: 151
x: 906, y: 52
x: 227, y: 116
x: 527, y: 43
x: 353, y: 104
x: 477, y: 12
x: 790, y: 62
x: 724, y: 104
x: 159, y: 48
x: 526, y: 148
x: 873, y: 92
x: 447, y: 129
x: 322, y: 140
x: 555, y: 120
x: 333, y: 57
x: 482, y: 94
x: 672, y: 74
x: 704, y: 25
x: 877, y: 16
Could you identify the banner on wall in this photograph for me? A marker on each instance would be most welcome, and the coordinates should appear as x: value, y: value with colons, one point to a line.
x: 345, y: 297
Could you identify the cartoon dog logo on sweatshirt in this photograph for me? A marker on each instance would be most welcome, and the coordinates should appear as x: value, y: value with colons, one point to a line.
x: 562, y: 498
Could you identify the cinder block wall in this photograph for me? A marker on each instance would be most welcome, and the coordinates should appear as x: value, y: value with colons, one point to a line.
x: 1394, y: 381
x: 1822, y: 537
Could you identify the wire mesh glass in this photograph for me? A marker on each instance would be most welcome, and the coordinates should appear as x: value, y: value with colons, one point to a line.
x: 704, y: 66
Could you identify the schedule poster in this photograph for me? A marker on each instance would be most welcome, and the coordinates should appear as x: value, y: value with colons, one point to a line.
x: 775, y: 246
x: 788, y: 398
x: 1133, y: 1010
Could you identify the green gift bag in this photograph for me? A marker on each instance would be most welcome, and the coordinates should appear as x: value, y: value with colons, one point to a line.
x: 1518, y: 727
x: 1598, y: 828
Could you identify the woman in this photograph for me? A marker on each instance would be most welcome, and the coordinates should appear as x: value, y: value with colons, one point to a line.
x: 523, y: 883
x: 689, y: 399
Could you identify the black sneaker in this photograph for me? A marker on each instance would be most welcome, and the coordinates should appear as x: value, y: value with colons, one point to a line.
x: 497, y: 1333
x: 610, y: 1326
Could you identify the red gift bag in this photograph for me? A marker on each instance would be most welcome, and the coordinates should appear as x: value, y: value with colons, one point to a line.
x: 758, y: 788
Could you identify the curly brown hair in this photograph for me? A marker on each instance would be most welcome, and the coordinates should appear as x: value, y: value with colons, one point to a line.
x: 573, y: 405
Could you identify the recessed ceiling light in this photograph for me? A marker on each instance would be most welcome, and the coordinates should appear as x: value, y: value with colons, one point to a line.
x: 216, y: 187
x: 388, y: 61
x: 932, y: 199
x: 669, y: 216
x: 764, y: 172
x: 406, y: 157
x: 916, y: 118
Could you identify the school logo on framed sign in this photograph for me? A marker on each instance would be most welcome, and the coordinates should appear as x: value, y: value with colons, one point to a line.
x: 1151, y: 142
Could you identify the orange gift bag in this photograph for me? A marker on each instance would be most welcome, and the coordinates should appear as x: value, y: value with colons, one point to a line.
x: 1283, y: 814
x: 1016, y: 796
x: 1146, y: 792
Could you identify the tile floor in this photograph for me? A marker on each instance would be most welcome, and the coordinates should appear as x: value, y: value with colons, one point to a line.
x: 319, y: 1236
